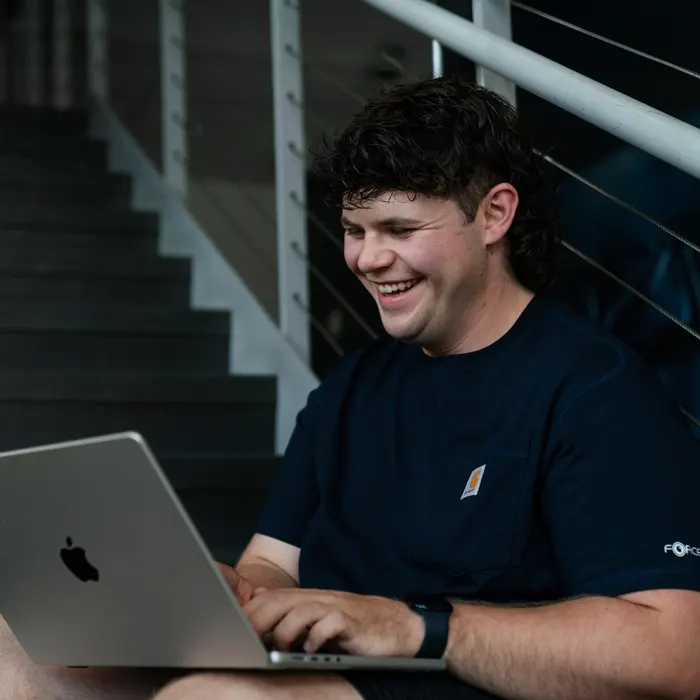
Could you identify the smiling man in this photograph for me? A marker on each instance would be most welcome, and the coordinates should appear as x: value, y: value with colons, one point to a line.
x: 494, y: 482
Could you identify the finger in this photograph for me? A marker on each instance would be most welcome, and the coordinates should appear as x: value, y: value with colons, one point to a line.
x: 286, y: 596
x: 296, y: 624
x: 334, y: 625
x: 243, y: 591
x: 259, y: 591
x: 265, y: 611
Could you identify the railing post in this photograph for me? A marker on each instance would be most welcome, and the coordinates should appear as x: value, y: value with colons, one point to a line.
x: 62, y: 54
x: 33, y: 46
x: 494, y: 16
x: 436, y: 54
x: 97, y: 44
x: 173, y: 92
x: 290, y: 173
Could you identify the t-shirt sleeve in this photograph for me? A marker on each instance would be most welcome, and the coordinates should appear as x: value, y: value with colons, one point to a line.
x: 621, y: 487
x: 294, y: 496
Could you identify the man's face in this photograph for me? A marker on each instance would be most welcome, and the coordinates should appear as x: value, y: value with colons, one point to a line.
x: 422, y: 262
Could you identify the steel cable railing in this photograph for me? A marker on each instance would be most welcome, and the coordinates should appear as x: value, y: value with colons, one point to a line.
x: 294, y: 149
x: 318, y: 325
x: 331, y: 288
x: 606, y: 40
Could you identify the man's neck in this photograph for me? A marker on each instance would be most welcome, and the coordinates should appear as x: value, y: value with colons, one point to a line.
x: 490, y: 317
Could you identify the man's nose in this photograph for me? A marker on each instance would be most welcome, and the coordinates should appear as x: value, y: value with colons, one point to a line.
x: 374, y: 256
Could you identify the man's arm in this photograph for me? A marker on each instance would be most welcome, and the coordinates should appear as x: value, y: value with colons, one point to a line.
x: 269, y: 563
x: 641, y: 645
x: 266, y: 563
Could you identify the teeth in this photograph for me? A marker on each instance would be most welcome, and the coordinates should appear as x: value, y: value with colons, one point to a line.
x: 399, y: 287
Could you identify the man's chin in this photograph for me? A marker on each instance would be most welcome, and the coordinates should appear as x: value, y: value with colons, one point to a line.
x: 405, y: 335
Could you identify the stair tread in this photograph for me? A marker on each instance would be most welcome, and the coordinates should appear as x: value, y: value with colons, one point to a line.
x: 44, y: 145
x: 30, y: 117
x: 156, y: 320
x: 72, y: 217
x: 77, y: 233
x: 27, y: 164
x: 23, y: 263
x: 132, y: 387
x: 58, y: 179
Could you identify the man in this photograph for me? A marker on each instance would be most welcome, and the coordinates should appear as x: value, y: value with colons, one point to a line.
x: 492, y: 452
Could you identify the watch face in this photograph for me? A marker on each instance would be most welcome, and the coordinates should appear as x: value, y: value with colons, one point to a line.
x: 430, y: 605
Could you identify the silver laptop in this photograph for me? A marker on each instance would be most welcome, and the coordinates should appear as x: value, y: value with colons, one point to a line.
x: 101, y: 566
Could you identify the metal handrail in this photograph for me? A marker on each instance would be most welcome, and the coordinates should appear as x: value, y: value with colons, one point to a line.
x: 637, y: 123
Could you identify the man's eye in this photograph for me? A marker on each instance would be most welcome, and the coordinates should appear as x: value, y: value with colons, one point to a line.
x: 354, y: 232
x: 402, y: 231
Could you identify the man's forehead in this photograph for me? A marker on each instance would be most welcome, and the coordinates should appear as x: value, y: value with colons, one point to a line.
x: 394, y: 205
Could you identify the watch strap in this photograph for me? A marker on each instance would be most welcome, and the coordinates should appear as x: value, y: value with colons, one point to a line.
x: 437, y: 628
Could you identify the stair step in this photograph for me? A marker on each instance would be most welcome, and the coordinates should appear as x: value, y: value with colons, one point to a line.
x: 71, y: 288
x: 69, y: 219
x: 100, y: 194
x: 169, y: 427
x: 51, y: 146
x: 58, y: 179
x: 120, y: 320
x: 68, y: 235
x: 207, y: 471
x: 41, y: 118
x: 138, y: 351
x: 91, y: 263
x: 38, y: 165
x: 135, y: 388
x: 59, y: 243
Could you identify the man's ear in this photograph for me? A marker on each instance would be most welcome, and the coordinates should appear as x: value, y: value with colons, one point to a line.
x: 497, y: 210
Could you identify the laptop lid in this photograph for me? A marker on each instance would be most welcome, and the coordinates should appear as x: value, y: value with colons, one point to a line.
x: 101, y: 566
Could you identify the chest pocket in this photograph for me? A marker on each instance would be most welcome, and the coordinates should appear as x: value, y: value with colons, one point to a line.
x: 462, y: 517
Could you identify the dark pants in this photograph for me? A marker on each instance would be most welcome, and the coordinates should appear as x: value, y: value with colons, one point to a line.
x: 382, y: 685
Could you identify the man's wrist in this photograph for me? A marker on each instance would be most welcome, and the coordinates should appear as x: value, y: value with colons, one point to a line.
x: 412, y: 631
x: 416, y: 633
x: 455, y: 637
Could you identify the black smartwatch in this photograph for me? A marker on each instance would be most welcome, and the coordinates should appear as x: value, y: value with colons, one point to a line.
x: 436, y: 615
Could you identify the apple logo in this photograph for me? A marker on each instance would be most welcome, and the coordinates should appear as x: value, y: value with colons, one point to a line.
x: 75, y: 560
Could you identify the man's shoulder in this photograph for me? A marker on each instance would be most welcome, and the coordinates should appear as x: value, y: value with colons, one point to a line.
x: 577, y: 348
x: 592, y: 369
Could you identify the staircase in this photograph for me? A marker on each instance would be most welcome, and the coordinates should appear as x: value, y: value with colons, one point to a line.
x: 96, y: 333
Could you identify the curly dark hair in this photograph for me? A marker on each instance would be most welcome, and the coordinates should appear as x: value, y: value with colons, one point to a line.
x: 448, y: 138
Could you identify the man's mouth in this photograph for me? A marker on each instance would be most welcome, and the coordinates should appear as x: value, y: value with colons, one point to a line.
x: 395, y: 289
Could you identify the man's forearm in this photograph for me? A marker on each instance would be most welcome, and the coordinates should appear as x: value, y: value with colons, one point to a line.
x: 602, y: 648
x: 262, y: 573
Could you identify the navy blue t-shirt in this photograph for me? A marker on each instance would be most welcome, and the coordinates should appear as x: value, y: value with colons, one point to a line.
x: 550, y: 464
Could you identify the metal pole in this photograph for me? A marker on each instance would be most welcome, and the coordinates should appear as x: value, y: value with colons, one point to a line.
x: 173, y: 94
x: 62, y: 58
x: 98, y: 66
x: 657, y: 133
x: 437, y: 58
x: 494, y: 16
x: 290, y: 173
x: 436, y: 54
x: 33, y: 52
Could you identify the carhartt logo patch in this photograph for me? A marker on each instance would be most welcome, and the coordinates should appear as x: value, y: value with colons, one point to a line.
x: 474, y: 483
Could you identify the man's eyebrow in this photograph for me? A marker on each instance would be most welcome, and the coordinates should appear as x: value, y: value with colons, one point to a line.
x: 391, y: 221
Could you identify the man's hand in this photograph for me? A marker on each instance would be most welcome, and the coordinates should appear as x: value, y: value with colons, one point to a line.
x: 363, y: 625
x: 242, y: 589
